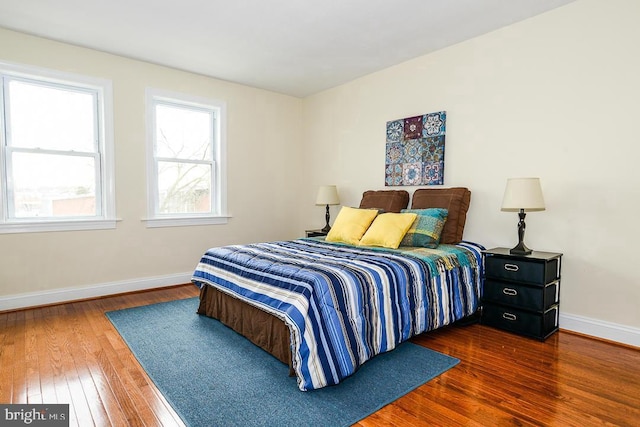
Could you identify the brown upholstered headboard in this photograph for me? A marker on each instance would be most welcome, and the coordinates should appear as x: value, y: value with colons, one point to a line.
x: 387, y: 200
x: 456, y: 200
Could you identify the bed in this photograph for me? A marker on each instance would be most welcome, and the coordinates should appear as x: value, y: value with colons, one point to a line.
x: 325, y: 306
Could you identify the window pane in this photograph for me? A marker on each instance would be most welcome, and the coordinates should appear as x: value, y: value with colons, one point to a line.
x: 183, y: 133
x: 184, y: 188
x: 51, y: 118
x: 47, y: 185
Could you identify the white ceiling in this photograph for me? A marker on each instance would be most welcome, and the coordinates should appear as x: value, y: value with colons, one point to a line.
x: 295, y: 47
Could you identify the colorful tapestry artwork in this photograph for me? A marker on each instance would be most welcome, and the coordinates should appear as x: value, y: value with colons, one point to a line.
x: 415, y: 150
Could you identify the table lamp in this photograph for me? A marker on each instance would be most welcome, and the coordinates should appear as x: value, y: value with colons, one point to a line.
x: 522, y: 195
x: 327, y: 195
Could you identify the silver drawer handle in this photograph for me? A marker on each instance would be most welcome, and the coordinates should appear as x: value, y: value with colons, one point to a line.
x: 511, y: 267
x: 509, y: 316
x: 510, y: 292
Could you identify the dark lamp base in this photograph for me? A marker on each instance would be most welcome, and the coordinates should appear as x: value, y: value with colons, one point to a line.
x: 327, y: 217
x: 520, y: 249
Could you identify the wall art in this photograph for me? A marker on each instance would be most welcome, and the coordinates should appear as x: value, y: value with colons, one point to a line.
x: 415, y: 150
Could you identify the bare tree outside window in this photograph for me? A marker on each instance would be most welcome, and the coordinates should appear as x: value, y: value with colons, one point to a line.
x: 184, y: 137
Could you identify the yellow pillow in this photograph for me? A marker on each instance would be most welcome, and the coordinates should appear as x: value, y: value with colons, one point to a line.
x: 388, y: 229
x: 350, y: 225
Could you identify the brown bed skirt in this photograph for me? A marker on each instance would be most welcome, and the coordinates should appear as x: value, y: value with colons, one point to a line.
x: 261, y: 328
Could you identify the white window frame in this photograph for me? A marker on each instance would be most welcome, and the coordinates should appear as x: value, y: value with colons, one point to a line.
x: 218, y: 214
x: 105, y: 194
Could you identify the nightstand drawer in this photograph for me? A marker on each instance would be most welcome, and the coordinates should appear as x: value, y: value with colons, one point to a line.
x: 521, y: 270
x: 522, y: 296
x: 536, y: 325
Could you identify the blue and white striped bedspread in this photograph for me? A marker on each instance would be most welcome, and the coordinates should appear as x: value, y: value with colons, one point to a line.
x: 344, y: 304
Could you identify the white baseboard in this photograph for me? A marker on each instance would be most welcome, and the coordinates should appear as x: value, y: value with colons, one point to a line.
x: 600, y: 329
x: 34, y: 299
x: 584, y: 325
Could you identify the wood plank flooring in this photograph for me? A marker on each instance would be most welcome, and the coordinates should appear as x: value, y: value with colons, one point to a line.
x: 71, y: 353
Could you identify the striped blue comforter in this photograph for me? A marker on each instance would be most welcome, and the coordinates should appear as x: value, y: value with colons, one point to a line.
x: 344, y: 304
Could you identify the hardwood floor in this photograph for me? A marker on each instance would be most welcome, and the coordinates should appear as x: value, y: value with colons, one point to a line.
x: 71, y: 353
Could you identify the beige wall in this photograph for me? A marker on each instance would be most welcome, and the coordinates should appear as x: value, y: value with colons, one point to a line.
x: 556, y: 96
x: 263, y: 159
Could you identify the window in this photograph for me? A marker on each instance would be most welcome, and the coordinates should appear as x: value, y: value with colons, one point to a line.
x: 186, y: 163
x: 55, y: 161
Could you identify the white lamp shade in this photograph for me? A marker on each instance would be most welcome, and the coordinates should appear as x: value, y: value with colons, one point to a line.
x: 523, y: 193
x: 327, y: 195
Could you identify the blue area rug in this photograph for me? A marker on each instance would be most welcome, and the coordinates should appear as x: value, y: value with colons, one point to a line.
x: 213, y: 376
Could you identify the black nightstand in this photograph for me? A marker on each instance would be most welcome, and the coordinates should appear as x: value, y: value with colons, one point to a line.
x: 521, y: 293
x: 315, y: 233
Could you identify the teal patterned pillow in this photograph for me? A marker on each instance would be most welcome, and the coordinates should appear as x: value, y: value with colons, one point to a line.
x: 426, y: 229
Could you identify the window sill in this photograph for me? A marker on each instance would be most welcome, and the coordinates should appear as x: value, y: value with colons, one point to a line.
x: 62, y: 225
x: 186, y: 221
